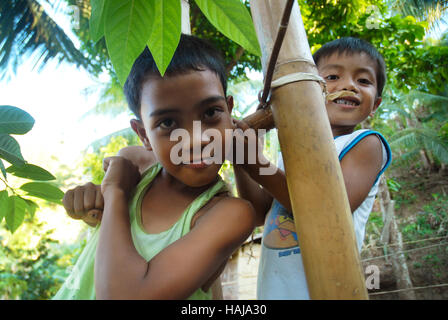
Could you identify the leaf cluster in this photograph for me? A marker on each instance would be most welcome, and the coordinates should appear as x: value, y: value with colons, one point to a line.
x: 34, y: 272
x: 15, y: 202
x: 129, y: 26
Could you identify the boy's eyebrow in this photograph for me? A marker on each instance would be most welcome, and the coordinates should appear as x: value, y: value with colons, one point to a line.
x: 337, y: 66
x: 209, y: 100
x: 201, y: 103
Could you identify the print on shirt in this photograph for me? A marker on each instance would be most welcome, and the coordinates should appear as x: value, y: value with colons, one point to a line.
x: 279, y: 230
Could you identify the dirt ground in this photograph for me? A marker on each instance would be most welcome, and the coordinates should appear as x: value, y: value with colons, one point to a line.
x: 427, y: 259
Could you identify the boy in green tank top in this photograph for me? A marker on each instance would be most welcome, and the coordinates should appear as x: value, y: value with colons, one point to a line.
x: 167, y: 227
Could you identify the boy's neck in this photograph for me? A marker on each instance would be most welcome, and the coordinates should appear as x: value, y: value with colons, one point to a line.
x: 175, y: 184
x: 341, y: 131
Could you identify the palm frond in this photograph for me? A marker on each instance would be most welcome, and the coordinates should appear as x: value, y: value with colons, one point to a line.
x: 429, y: 10
x: 412, y: 139
x: 25, y: 29
x: 427, y: 98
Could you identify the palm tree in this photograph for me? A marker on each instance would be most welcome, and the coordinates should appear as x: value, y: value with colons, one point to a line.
x: 428, y: 10
x: 423, y: 137
x: 25, y: 29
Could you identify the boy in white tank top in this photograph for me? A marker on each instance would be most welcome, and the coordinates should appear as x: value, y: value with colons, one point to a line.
x: 355, y: 75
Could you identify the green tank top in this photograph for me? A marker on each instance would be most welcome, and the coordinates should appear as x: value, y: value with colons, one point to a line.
x: 80, y: 284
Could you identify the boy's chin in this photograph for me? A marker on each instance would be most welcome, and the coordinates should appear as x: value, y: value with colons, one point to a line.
x: 198, y: 177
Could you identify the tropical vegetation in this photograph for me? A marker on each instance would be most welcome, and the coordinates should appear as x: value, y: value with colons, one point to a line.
x: 413, y: 115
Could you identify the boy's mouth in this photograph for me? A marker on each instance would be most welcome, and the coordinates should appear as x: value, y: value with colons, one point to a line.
x: 344, y: 97
x: 347, y: 101
x: 200, y: 163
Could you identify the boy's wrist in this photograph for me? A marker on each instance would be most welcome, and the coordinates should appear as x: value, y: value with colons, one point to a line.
x: 113, y: 192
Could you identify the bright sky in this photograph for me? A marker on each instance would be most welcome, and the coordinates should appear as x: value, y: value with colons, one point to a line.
x: 55, y: 99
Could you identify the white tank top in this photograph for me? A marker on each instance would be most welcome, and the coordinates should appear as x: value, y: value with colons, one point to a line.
x: 280, y: 273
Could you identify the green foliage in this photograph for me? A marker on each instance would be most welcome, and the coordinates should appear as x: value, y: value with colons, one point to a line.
x: 93, y: 161
x: 25, y: 29
x: 165, y: 33
x: 14, y: 202
x: 429, y: 10
x: 34, y: 272
x: 431, y: 221
x: 232, y: 19
x: 128, y: 26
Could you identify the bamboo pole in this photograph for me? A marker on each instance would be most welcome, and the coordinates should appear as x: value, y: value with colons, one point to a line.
x: 320, y: 205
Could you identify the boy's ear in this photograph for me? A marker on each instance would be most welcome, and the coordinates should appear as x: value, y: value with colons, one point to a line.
x: 230, y: 103
x: 139, y: 129
x: 376, y: 105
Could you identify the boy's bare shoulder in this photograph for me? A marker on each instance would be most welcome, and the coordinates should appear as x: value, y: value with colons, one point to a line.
x: 228, y: 212
x: 368, y: 147
x: 365, y: 158
x: 139, y: 156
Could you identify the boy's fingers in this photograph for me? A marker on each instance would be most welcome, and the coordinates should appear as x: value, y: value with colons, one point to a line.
x: 89, y: 197
x: 241, y: 124
x: 78, y: 202
x: 99, y: 200
x: 67, y: 201
x: 107, y: 161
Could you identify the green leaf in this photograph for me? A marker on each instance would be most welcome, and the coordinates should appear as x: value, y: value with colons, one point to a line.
x: 233, y: 20
x: 96, y: 22
x: 14, y: 120
x: 2, y: 168
x: 44, y: 191
x: 32, y: 207
x: 166, y: 31
x: 30, y: 171
x: 15, y: 213
x: 127, y: 29
x: 10, y: 150
x: 3, y: 203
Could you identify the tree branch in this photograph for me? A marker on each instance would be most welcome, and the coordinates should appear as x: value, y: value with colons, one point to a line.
x: 239, y: 52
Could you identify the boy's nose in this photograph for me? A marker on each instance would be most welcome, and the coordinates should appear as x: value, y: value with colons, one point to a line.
x: 198, y: 140
x: 348, y: 84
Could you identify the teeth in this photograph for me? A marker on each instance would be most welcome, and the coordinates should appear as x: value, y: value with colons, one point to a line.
x: 347, y: 102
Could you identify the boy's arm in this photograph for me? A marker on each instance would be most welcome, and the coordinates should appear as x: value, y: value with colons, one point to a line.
x: 178, y: 270
x: 249, y: 182
x: 251, y: 191
x: 139, y: 156
x: 360, y: 168
x: 86, y: 202
x: 261, y: 182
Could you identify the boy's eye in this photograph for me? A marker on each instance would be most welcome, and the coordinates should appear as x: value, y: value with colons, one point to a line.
x: 365, y: 81
x: 331, y: 77
x: 167, y: 124
x: 211, y: 113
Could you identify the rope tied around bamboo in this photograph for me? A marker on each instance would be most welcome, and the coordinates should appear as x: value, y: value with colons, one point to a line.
x: 262, y: 118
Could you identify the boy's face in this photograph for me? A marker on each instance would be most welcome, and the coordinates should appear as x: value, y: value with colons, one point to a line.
x: 175, y: 102
x: 352, y: 72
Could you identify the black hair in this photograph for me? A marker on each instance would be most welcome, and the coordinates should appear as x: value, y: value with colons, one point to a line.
x: 352, y: 45
x: 192, y: 54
